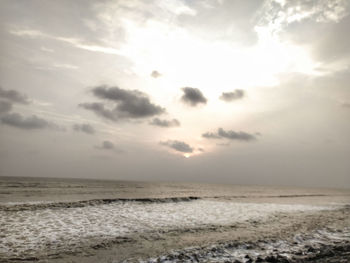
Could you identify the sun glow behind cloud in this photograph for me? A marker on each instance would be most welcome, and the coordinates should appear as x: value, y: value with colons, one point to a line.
x: 186, y: 59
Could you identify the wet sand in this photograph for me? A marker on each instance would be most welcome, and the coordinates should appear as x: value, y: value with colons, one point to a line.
x: 171, y: 222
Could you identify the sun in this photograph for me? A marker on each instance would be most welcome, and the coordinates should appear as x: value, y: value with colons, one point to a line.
x: 187, y: 155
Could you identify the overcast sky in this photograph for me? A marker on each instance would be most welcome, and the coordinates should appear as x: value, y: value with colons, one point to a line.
x: 225, y: 91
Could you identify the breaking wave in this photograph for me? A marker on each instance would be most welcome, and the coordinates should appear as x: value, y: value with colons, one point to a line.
x: 323, y: 245
x: 94, y: 202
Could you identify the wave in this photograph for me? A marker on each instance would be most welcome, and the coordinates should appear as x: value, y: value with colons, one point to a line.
x: 268, y: 196
x: 93, y: 202
x: 30, y: 206
x: 322, y: 246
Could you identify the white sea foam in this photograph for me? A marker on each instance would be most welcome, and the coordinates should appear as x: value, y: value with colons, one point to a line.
x: 304, y: 248
x: 32, y: 233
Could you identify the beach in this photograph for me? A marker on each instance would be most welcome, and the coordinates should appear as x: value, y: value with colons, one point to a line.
x: 75, y: 220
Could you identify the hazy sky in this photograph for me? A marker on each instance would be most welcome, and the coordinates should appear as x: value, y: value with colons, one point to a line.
x: 238, y: 91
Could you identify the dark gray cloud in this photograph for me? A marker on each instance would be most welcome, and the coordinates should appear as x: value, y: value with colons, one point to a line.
x: 128, y: 104
x: 234, y: 95
x: 165, y: 123
x: 13, y: 96
x: 193, y: 96
x: 231, y: 135
x: 178, y: 146
x: 99, y: 109
x: 109, y: 146
x: 155, y: 74
x: 5, y: 106
x: 29, y: 123
x: 86, y: 128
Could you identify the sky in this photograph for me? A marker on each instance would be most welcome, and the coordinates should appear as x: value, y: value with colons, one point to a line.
x: 221, y: 91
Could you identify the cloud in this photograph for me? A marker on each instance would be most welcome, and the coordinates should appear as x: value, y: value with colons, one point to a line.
x: 128, y: 104
x: 100, y: 110
x: 346, y: 105
x: 321, y: 26
x: 193, y: 96
x: 155, y: 74
x: 165, y: 123
x: 230, y: 96
x: 231, y: 135
x: 217, y: 16
x: 223, y: 144
x: 14, y: 96
x: 77, y: 43
x: 86, y: 128
x: 5, y: 106
x: 109, y: 146
x: 178, y: 146
x: 29, y: 123
x: 65, y: 66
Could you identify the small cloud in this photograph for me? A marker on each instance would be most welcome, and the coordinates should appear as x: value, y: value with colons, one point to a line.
x: 165, y: 123
x: 178, y: 146
x: 77, y: 43
x: 65, y: 66
x: 109, y: 146
x: 5, y: 106
x: 30, y: 123
x: 231, y: 96
x: 193, y: 96
x: 28, y: 33
x: 345, y: 104
x: 223, y: 144
x: 231, y: 135
x: 128, y: 104
x: 201, y: 149
x: 155, y: 74
x: 14, y: 96
x: 45, y: 49
x: 86, y: 128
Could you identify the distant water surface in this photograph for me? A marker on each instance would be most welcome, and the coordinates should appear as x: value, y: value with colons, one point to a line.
x: 17, y: 189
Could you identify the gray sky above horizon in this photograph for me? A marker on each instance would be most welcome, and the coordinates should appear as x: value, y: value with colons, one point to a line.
x: 224, y: 91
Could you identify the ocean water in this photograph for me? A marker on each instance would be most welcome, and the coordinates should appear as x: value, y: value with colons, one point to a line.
x: 47, y: 218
